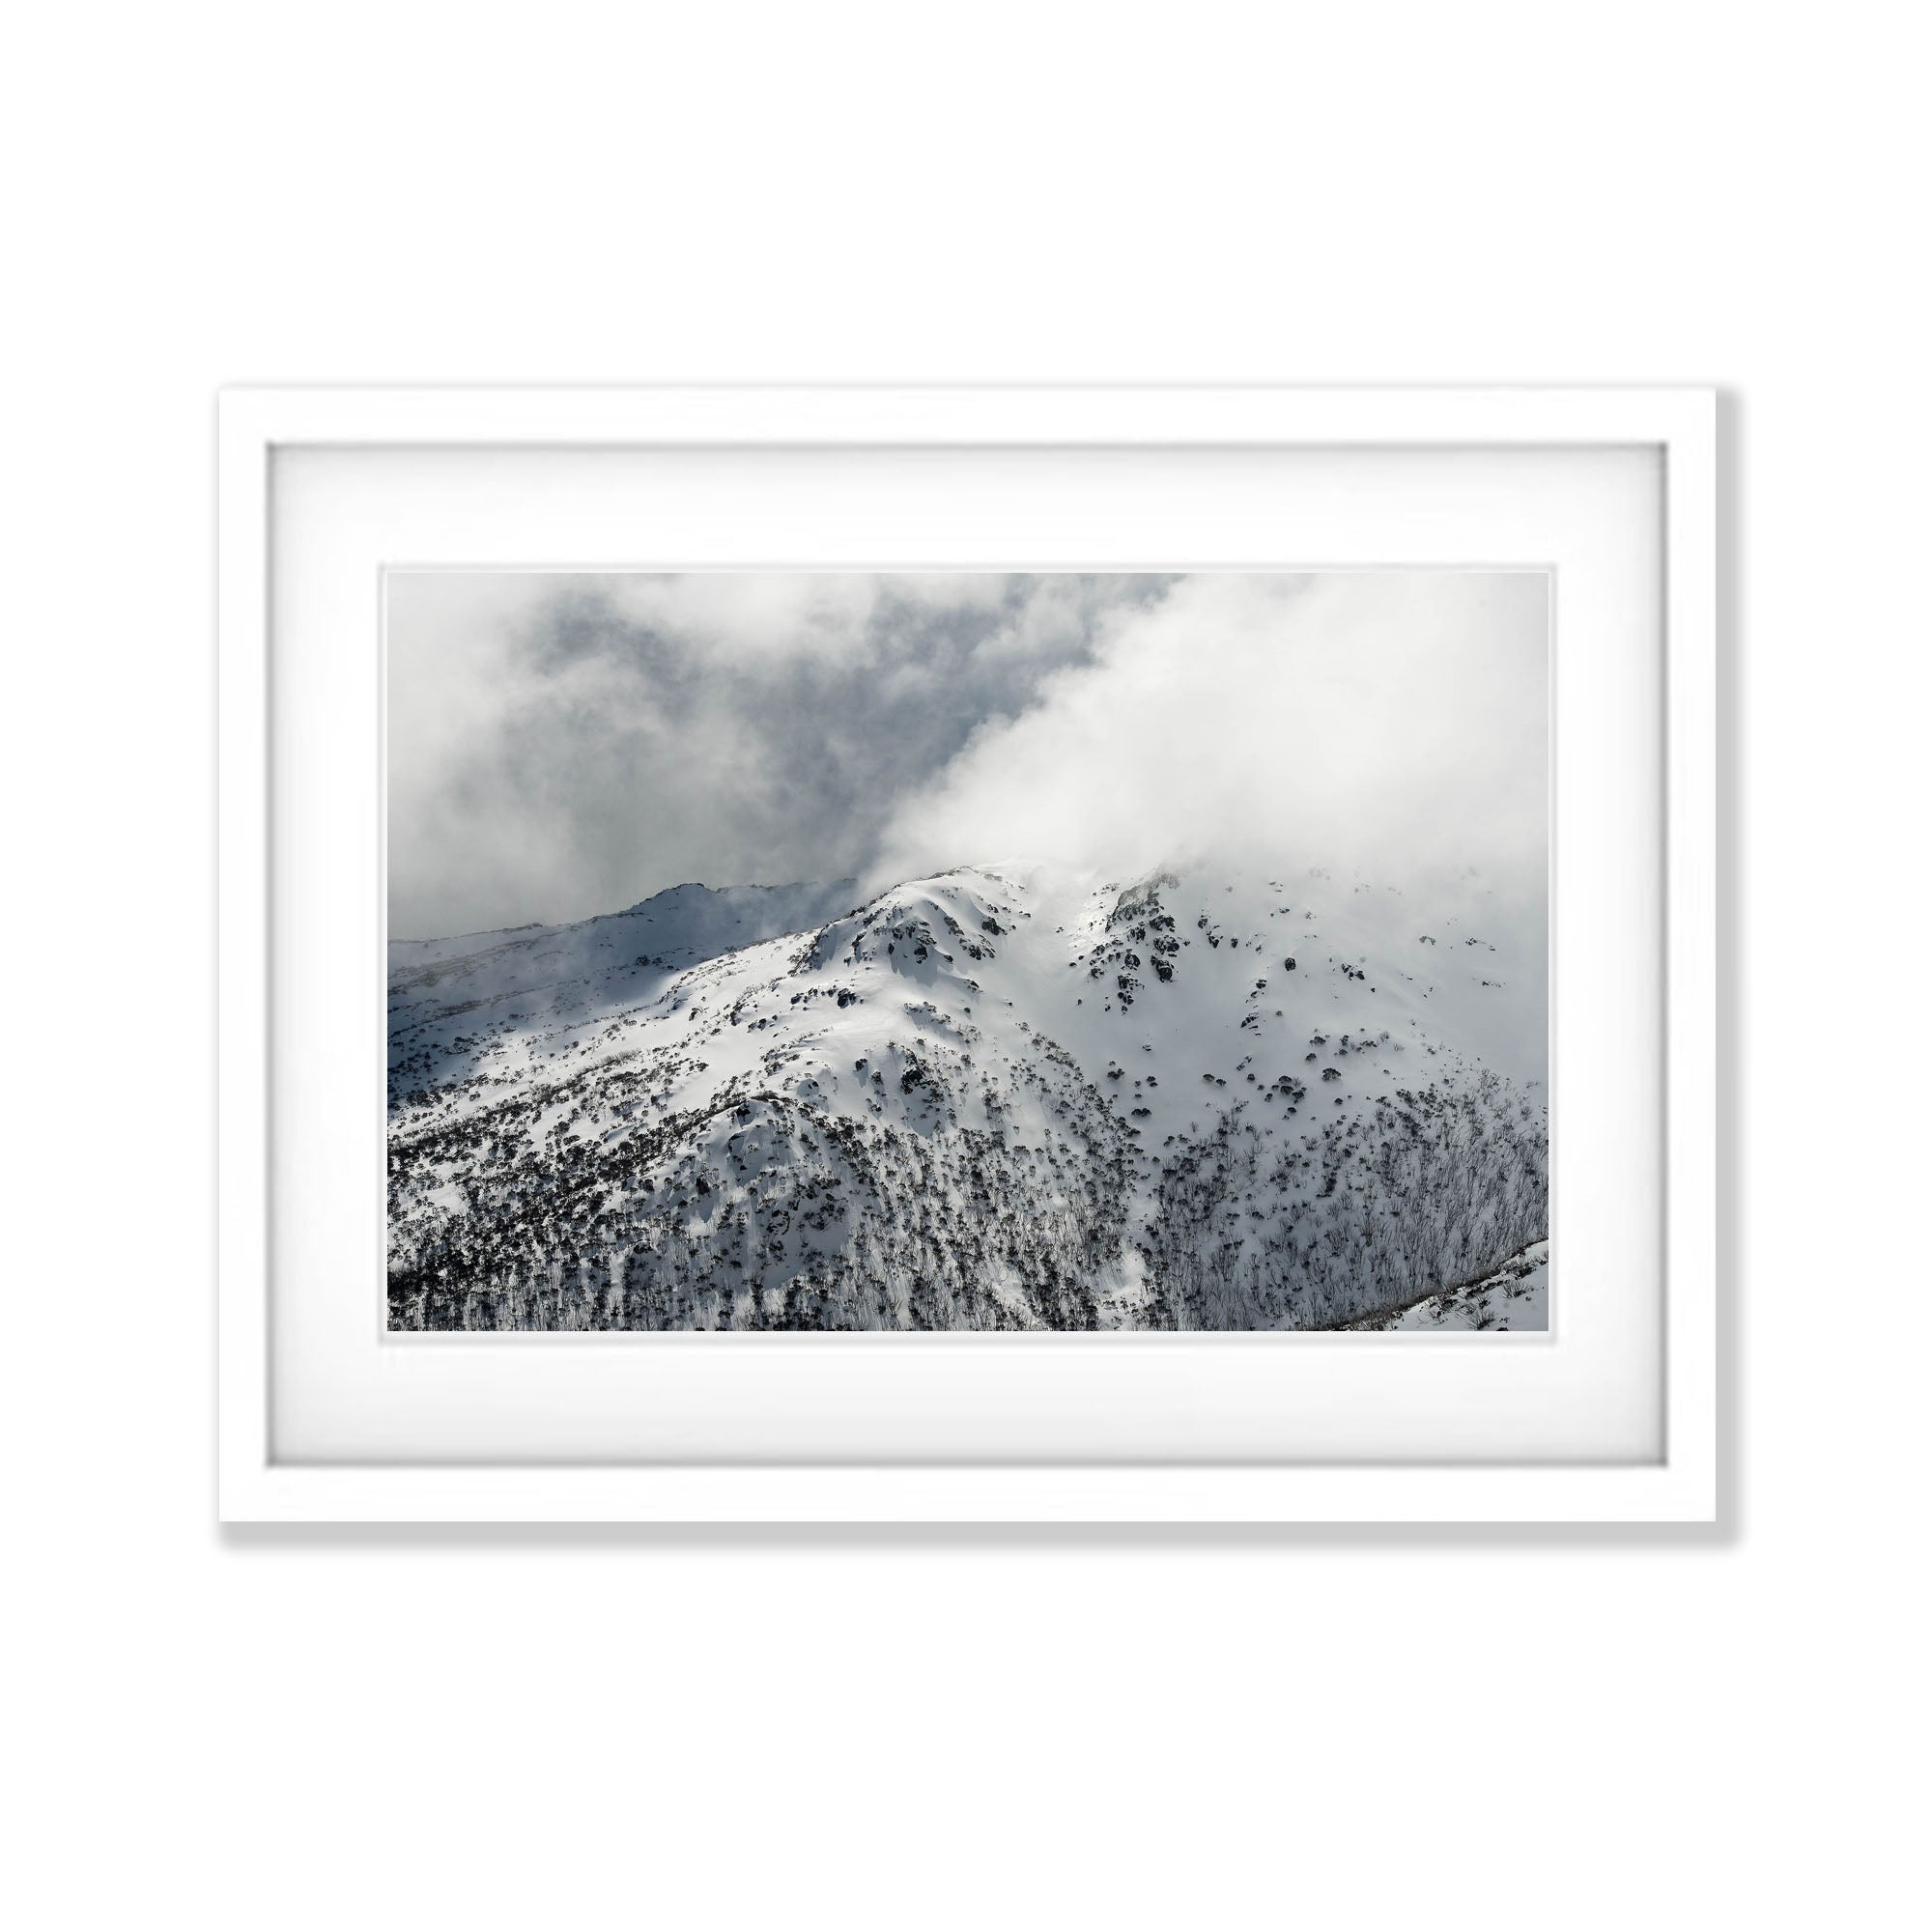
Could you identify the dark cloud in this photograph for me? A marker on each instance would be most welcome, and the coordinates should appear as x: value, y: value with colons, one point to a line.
x: 560, y: 746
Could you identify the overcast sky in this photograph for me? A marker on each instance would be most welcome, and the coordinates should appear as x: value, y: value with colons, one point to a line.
x: 567, y: 745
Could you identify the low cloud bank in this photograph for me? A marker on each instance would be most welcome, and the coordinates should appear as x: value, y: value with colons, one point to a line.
x: 561, y: 745
x: 1392, y: 724
x: 565, y: 745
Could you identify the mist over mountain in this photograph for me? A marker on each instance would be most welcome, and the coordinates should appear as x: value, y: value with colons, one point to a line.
x: 560, y: 744
x: 1003, y: 1097
x: 1257, y: 1038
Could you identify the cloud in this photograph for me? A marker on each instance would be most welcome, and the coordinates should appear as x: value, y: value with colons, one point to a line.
x: 565, y: 745
x: 1393, y: 724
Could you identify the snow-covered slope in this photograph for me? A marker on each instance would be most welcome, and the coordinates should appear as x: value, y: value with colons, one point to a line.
x: 999, y: 1098
x: 1514, y: 1295
x: 529, y: 978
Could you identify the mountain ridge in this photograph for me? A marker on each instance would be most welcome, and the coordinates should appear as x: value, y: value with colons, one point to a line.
x: 995, y: 1097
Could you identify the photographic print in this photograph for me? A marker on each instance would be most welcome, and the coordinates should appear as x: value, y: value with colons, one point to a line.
x: 833, y: 953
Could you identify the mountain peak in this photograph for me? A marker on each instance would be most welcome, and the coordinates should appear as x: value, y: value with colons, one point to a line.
x: 1000, y: 1095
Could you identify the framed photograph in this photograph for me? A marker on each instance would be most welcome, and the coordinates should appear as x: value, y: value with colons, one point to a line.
x: 968, y: 954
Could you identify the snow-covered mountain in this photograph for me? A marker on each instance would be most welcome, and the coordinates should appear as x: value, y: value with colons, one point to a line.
x: 1000, y: 1097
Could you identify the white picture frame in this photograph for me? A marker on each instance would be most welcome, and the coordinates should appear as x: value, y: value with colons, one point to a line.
x: 1674, y: 429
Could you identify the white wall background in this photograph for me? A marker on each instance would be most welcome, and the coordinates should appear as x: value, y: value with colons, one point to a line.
x: 581, y: 1729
